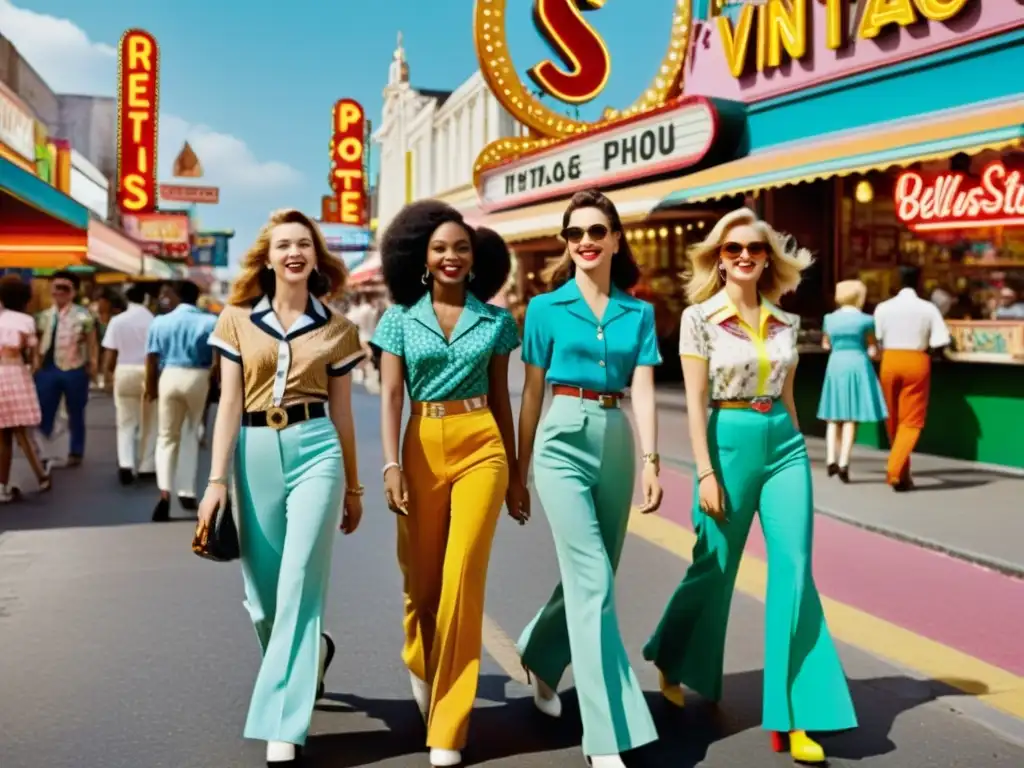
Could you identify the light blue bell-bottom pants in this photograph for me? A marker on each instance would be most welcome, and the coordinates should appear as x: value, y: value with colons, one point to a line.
x: 289, y: 491
x: 761, y: 461
x: 584, y: 468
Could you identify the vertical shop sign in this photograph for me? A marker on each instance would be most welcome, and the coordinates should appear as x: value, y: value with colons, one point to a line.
x: 137, y: 109
x: 348, y: 176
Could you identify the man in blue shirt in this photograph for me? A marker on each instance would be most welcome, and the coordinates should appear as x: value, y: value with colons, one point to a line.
x: 179, y: 360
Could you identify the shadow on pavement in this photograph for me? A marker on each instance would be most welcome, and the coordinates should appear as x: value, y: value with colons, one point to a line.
x: 514, y: 728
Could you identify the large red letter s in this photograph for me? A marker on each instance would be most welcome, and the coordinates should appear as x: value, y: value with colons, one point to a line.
x: 578, y: 45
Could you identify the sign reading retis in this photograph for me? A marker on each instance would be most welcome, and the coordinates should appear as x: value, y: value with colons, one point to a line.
x: 954, y: 201
x: 137, y: 108
x: 348, y: 177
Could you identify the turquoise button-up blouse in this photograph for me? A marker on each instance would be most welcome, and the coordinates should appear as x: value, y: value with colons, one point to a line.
x: 599, y: 355
x: 437, y: 369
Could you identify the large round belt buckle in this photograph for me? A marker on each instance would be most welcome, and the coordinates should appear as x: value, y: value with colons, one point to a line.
x: 761, y: 404
x: 277, y: 418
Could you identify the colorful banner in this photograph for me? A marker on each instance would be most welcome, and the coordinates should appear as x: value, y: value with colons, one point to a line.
x: 161, y: 234
x: 348, y: 173
x: 137, y: 110
x: 210, y: 249
x: 341, y: 237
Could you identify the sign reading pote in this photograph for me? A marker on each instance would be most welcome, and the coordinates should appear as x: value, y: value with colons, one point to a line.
x: 668, y: 140
x: 954, y: 201
x: 137, y: 109
x: 348, y: 178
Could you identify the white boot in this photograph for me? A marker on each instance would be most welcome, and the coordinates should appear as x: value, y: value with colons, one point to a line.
x: 280, y: 752
x: 605, y: 761
x: 441, y: 758
x: 421, y: 695
x: 545, y: 698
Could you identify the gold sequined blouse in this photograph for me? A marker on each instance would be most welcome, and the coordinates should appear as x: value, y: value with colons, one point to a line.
x: 282, y: 367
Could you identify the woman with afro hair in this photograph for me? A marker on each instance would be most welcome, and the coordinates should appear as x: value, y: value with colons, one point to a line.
x: 443, y: 341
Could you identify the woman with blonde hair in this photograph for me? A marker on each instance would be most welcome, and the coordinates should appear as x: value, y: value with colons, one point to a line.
x: 739, y: 357
x: 851, y: 393
x: 286, y: 399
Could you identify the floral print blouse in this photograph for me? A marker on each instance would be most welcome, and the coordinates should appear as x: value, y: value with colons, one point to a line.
x: 743, y: 362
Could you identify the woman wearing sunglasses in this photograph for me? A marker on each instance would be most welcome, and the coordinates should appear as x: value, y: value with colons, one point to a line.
x: 739, y: 355
x: 584, y: 469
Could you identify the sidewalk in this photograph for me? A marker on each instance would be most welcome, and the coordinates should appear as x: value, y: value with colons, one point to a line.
x: 971, y: 511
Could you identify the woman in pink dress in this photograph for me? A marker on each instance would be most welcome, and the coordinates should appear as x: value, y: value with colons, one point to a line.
x: 19, y: 403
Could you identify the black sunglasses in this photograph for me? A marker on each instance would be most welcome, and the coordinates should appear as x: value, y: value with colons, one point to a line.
x: 64, y: 287
x: 754, y: 249
x: 575, y: 234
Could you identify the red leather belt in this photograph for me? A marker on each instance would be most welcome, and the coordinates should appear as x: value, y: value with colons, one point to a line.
x: 605, y: 399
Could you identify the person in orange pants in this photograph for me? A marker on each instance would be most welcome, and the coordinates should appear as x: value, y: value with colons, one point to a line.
x: 907, y: 327
x: 458, y: 460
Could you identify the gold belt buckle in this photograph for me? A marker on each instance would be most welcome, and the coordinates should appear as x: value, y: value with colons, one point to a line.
x: 607, y: 401
x: 434, y: 410
x: 277, y: 418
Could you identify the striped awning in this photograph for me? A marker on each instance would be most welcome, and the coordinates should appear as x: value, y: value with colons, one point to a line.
x: 989, y: 125
x: 366, y: 272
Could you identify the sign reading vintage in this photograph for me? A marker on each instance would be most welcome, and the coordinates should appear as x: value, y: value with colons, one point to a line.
x: 348, y: 173
x: 954, y: 200
x: 676, y: 137
x: 137, y: 110
x: 765, y: 34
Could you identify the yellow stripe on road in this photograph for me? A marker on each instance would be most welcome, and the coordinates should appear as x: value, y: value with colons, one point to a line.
x: 989, y: 684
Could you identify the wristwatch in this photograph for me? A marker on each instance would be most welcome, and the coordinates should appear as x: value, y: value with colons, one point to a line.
x: 652, y: 458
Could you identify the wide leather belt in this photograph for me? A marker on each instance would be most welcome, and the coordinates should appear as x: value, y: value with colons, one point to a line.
x: 759, y: 404
x: 279, y: 418
x: 438, y: 410
x: 604, y: 399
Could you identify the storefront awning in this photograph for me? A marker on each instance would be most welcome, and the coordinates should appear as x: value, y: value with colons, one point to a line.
x: 545, y: 219
x: 154, y: 268
x: 991, y: 125
x: 112, y: 250
x: 366, y: 272
x: 36, y: 193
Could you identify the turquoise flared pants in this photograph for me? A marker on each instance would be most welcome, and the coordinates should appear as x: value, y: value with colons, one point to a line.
x: 584, y: 469
x: 761, y: 460
x: 288, y: 494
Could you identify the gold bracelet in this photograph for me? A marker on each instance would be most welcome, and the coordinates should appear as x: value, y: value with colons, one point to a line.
x: 359, y: 490
x: 218, y: 481
x: 652, y: 458
x: 706, y: 473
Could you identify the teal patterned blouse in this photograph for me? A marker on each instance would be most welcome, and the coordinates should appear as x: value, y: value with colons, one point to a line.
x: 436, y: 369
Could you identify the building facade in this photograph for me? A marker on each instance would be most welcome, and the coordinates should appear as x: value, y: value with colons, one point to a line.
x: 428, y: 140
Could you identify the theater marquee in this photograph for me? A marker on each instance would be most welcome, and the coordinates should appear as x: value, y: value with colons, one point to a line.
x: 676, y: 137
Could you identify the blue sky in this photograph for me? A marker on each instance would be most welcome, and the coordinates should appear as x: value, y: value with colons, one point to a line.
x: 251, y: 84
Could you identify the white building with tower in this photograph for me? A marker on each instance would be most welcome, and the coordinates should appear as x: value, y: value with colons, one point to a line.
x: 428, y: 140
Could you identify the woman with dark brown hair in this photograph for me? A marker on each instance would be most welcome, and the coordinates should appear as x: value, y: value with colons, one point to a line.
x: 286, y: 397
x: 585, y: 468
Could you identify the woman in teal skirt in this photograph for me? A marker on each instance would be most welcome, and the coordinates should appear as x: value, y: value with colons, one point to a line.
x: 286, y: 399
x: 739, y: 356
x: 851, y: 393
x: 589, y: 340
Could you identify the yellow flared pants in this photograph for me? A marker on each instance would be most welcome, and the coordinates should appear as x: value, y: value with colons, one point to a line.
x: 457, y: 476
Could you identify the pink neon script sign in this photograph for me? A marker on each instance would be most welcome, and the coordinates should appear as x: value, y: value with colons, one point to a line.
x: 954, y: 201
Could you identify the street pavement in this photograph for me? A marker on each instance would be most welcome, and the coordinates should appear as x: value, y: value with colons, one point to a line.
x: 965, y: 509
x: 120, y: 649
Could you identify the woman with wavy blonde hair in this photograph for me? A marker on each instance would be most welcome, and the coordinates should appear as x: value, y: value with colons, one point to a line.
x: 739, y: 356
x: 286, y: 398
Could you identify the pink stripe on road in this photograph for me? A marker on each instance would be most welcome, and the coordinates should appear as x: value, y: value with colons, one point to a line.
x: 944, y: 599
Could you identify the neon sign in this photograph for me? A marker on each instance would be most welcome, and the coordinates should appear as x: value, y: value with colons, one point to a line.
x: 348, y: 178
x: 762, y: 36
x: 586, y: 61
x: 137, y: 109
x: 955, y: 201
